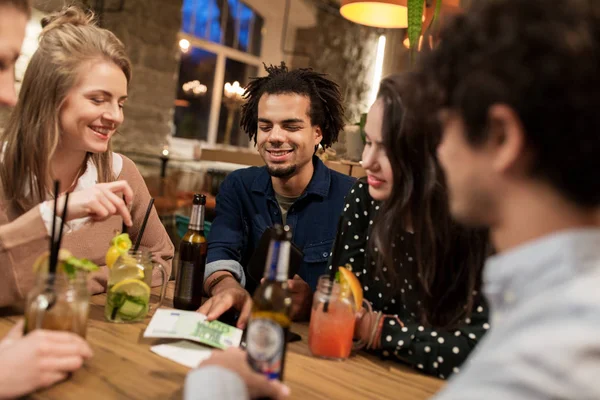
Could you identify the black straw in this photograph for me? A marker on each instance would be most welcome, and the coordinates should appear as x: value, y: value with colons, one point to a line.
x: 52, y: 266
x: 124, y: 227
x: 141, y: 232
x: 335, y: 256
x: 60, y: 230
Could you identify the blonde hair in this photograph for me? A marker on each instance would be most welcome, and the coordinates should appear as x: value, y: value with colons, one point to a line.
x: 69, y: 39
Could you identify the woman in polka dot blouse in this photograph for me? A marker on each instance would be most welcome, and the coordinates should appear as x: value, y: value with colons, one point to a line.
x: 419, y: 270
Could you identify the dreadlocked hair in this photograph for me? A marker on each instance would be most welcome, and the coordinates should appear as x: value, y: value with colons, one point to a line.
x: 326, y: 109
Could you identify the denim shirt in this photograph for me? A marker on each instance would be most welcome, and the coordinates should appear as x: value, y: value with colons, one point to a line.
x: 246, y: 207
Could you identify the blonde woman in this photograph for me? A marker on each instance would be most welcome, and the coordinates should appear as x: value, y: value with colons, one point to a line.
x: 69, y: 107
x: 41, y: 358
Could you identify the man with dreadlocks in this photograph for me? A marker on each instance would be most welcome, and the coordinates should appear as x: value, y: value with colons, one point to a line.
x: 287, y: 114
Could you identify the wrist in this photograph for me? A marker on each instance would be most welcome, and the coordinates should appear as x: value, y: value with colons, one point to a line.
x: 364, y: 323
x: 219, y: 281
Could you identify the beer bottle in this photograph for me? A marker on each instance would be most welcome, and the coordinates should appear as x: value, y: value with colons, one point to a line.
x: 270, y: 318
x: 192, y: 260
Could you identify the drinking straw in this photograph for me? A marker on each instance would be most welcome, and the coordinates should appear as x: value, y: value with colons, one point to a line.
x: 141, y: 232
x: 60, y: 230
x: 124, y: 227
x: 52, y: 268
x: 335, y: 257
x: 57, y: 241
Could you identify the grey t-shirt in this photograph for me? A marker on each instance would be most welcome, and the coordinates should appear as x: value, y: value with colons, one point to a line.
x: 284, y: 204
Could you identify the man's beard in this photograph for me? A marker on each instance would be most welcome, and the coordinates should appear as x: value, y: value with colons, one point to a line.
x: 284, y: 172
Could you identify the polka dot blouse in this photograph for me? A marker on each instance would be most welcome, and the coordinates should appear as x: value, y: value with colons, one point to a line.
x: 434, y: 352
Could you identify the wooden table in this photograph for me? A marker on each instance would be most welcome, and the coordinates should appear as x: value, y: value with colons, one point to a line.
x: 123, y: 367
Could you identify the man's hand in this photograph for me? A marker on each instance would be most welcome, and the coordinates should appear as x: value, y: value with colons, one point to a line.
x: 40, y: 359
x: 301, y: 298
x: 227, y: 294
x: 258, y: 385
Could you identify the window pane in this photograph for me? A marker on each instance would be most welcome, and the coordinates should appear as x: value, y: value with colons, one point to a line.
x: 243, y: 26
x: 215, y: 13
x: 194, y: 93
x: 256, y: 35
x: 229, y: 119
x: 232, y: 23
x: 245, y: 21
x: 187, y: 22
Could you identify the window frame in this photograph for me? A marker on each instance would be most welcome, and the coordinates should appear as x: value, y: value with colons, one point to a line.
x: 222, y: 52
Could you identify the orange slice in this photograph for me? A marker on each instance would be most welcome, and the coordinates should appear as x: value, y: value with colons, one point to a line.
x: 348, y: 278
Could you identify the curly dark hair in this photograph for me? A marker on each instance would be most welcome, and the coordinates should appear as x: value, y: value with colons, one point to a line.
x: 542, y: 59
x: 326, y: 109
x: 449, y: 257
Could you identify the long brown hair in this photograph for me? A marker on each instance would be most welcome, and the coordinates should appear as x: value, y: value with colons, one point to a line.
x: 449, y: 257
x: 68, y: 41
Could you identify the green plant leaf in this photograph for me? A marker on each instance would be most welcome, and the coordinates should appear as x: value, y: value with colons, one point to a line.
x: 415, y: 26
x: 361, y: 124
x: 434, y: 26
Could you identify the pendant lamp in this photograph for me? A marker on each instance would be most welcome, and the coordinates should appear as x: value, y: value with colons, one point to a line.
x: 376, y: 13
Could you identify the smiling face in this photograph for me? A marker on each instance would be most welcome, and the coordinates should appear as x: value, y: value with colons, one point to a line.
x: 93, y: 108
x: 12, y: 33
x: 375, y: 161
x: 286, y: 138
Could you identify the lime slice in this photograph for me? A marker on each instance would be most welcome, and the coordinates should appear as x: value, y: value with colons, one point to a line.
x: 122, y: 242
x: 42, y: 263
x: 119, y: 245
x: 133, y: 288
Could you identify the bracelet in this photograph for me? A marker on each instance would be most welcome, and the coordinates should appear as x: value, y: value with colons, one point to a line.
x: 374, y: 330
x: 215, y: 282
x: 378, y: 331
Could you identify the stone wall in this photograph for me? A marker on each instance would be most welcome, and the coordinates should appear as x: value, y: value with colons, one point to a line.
x: 344, y: 50
x: 149, y: 29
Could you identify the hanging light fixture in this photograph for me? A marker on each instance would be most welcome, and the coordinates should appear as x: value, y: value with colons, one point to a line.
x: 376, y: 13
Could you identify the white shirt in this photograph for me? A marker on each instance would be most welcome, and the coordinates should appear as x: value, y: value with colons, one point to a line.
x: 544, y: 343
x: 87, y: 180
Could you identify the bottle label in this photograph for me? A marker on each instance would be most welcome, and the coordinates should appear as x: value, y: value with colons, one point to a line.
x: 265, y: 341
x: 278, y: 260
x: 186, y: 277
x: 197, y: 218
x: 283, y: 263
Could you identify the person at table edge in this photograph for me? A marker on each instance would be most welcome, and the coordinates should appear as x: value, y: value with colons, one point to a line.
x: 57, y: 138
x: 420, y: 271
x: 519, y: 89
x: 288, y: 114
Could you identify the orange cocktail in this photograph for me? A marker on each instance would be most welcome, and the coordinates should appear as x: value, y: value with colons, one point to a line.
x: 333, y: 316
x: 330, y: 333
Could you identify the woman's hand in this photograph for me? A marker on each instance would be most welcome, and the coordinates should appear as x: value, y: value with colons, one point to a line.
x: 99, y: 202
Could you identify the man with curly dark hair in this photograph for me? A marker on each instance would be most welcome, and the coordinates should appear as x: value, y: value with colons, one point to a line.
x: 288, y: 114
x: 519, y: 88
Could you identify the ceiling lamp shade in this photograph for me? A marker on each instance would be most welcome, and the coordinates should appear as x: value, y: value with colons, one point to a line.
x: 376, y: 13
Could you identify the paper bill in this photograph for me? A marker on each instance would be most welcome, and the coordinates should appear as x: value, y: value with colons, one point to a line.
x: 183, y: 352
x: 190, y: 325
